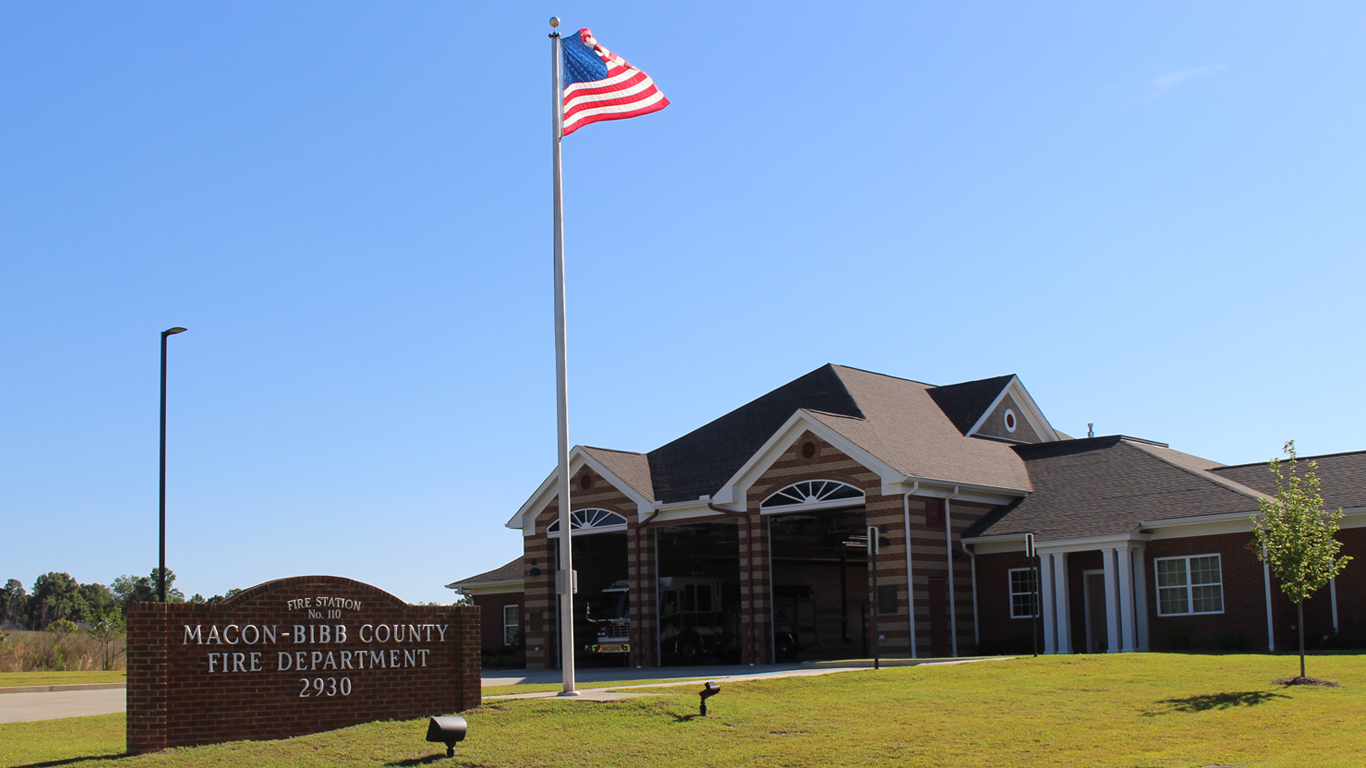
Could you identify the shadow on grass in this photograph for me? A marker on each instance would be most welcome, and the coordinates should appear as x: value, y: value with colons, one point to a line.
x: 428, y: 760
x: 75, y: 761
x: 1206, y: 702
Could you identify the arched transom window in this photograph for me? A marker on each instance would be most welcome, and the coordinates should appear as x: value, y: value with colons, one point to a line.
x: 590, y: 521
x: 812, y: 492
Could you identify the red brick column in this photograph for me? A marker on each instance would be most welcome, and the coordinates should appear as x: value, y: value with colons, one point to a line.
x: 756, y: 591
x: 644, y: 576
x: 147, y: 690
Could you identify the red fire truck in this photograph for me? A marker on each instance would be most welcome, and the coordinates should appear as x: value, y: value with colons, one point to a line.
x: 693, y: 621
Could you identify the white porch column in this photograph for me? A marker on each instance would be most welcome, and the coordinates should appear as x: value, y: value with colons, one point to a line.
x: 1140, y: 599
x: 1046, y: 598
x: 1063, y: 605
x: 1124, y: 562
x: 1111, y: 602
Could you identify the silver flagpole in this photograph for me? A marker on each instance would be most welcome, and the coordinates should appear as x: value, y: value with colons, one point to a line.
x: 564, y: 578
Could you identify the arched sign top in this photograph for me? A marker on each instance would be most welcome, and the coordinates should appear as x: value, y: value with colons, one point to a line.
x: 811, y: 492
x: 590, y: 521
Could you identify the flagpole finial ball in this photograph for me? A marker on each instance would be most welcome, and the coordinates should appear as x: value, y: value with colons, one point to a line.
x: 554, y: 21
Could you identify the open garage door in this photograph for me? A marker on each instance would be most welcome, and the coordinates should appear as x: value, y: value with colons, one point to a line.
x: 820, y: 585
x: 600, y: 557
x: 699, y: 592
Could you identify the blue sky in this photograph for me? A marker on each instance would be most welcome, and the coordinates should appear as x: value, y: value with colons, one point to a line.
x: 1152, y: 214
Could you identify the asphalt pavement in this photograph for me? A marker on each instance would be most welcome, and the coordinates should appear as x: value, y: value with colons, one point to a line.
x: 51, y: 705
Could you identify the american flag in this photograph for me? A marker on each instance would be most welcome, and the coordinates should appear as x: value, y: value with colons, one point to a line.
x: 600, y: 85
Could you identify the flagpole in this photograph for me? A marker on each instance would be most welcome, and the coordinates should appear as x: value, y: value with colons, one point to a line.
x: 564, y: 577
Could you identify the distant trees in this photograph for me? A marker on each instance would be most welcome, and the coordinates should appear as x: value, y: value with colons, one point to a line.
x: 13, y: 603
x: 56, y: 596
x: 143, y: 589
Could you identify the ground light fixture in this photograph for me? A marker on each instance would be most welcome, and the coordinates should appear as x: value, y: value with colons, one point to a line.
x: 161, y: 549
x: 447, y: 730
x: 711, y: 690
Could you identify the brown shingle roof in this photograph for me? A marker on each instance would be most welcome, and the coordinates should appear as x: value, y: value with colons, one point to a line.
x: 509, y: 572
x: 1342, y: 477
x: 1109, y: 485
x: 896, y: 420
x: 965, y: 403
x: 904, y: 427
x: 632, y: 468
x: 700, y: 461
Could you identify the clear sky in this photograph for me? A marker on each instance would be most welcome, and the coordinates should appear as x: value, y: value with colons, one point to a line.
x: 1152, y: 214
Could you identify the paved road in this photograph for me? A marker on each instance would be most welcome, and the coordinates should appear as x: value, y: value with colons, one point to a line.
x: 23, y: 707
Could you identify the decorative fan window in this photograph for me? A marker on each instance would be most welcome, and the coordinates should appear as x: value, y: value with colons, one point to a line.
x: 590, y: 521
x: 811, y: 492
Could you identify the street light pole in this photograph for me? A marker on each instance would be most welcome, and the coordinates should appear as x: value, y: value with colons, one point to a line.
x: 161, y: 561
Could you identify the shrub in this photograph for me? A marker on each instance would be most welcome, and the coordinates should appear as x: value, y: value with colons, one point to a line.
x: 54, y: 652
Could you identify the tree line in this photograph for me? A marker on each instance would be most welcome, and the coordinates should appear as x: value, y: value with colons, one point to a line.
x: 57, y: 597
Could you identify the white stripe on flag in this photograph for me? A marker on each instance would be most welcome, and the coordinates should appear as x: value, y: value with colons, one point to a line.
x: 615, y: 108
x: 624, y: 93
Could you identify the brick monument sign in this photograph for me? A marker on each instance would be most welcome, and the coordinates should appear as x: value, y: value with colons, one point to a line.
x: 291, y: 657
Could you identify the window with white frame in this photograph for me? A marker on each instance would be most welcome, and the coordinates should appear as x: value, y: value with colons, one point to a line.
x: 512, y: 624
x: 1189, y: 585
x: 1024, y: 603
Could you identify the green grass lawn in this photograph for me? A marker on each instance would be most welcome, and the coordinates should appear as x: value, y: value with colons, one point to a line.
x: 1130, y: 710
x: 12, y: 679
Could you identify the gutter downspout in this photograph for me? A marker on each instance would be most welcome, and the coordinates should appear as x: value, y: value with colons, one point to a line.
x: 976, y: 625
x: 948, y: 554
x: 638, y: 603
x: 752, y: 639
x: 1333, y: 592
x: 1270, y: 624
x: 910, y: 584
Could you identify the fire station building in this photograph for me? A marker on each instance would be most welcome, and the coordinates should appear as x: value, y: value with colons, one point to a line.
x: 766, y: 510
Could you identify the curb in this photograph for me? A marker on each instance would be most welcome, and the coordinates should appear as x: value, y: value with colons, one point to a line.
x: 55, y: 688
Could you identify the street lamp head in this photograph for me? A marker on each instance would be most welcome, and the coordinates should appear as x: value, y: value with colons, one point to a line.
x: 174, y: 331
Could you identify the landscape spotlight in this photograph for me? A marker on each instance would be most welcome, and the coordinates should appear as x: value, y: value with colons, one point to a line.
x: 448, y: 731
x: 711, y: 690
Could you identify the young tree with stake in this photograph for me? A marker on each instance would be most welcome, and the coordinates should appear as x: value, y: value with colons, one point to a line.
x: 1294, y: 536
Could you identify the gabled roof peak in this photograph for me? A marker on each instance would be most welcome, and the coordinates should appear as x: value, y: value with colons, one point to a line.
x: 966, y: 402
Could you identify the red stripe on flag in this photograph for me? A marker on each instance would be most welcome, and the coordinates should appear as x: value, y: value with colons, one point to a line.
x: 589, y: 106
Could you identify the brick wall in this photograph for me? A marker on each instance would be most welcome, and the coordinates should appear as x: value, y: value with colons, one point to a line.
x: 491, y: 619
x: 1244, y: 589
x: 203, y: 674
x: 1352, y: 583
x: 930, y: 556
x: 999, y: 631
